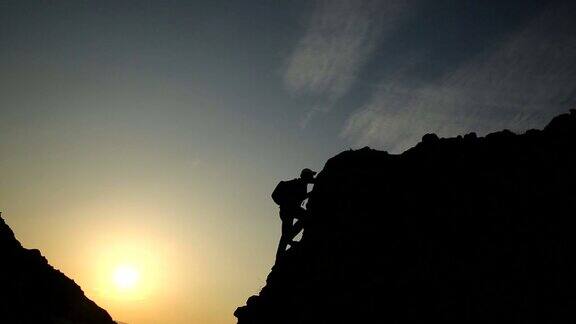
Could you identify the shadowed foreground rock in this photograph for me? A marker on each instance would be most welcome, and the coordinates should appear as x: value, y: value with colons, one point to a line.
x: 455, y: 230
x: 33, y: 292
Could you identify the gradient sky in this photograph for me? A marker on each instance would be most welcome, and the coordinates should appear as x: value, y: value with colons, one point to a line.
x: 153, y: 132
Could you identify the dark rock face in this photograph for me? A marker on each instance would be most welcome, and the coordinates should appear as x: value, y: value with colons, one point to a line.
x: 33, y: 292
x: 454, y: 230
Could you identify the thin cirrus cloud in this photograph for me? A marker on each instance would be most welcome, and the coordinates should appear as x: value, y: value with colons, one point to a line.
x: 340, y: 38
x: 526, y: 80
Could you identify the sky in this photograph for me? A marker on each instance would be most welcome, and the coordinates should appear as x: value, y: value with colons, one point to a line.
x: 150, y: 134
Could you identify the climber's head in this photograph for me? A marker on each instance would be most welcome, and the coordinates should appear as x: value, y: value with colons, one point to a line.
x: 307, y: 175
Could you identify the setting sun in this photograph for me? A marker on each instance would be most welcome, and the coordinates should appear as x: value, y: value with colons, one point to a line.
x: 126, y: 277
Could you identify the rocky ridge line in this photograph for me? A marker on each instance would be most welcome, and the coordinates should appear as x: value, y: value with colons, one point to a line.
x: 33, y: 292
x: 454, y: 230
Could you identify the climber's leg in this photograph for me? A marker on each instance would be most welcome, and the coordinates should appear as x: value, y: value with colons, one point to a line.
x: 285, y: 238
x: 296, y: 228
x: 300, y: 216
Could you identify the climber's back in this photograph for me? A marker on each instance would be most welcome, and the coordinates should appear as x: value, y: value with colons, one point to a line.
x: 290, y: 192
x: 293, y: 192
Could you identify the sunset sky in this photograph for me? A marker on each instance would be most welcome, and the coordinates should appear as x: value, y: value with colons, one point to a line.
x: 140, y: 140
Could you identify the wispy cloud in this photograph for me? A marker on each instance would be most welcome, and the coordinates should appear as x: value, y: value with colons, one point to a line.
x: 522, y: 83
x: 340, y: 38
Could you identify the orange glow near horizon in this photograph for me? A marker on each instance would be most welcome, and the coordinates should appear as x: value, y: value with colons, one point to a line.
x: 130, y: 269
x: 137, y: 266
x: 126, y: 277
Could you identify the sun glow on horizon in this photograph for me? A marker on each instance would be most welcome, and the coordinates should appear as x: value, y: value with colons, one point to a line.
x: 131, y: 266
x: 126, y: 277
x: 135, y: 266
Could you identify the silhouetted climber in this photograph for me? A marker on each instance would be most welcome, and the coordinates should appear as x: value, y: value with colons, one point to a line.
x: 289, y: 195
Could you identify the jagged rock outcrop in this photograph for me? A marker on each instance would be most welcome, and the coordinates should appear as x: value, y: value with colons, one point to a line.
x: 454, y: 230
x: 33, y: 292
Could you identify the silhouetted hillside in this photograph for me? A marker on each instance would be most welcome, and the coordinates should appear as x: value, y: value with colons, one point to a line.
x: 455, y: 230
x: 33, y: 292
